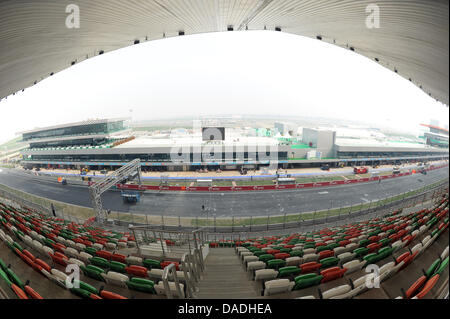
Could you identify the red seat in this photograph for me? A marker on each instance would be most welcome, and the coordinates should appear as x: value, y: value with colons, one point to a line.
x: 428, y: 286
x: 310, y: 267
x: 325, y: 254
x: 136, y: 270
x: 415, y: 286
x: 332, y: 273
x: 110, y: 295
x: 119, y: 257
x: 374, y: 247
x: 58, y: 259
x: 28, y: 254
x: 272, y: 251
x: 281, y: 255
x: 43, y: 264
x: 104, y: 254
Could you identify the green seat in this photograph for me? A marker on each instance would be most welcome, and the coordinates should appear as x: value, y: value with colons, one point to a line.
x: 307, y: 280
x: 117, y: 266
x: 81, y: 293
x: 371, y: 258
x: 276, y: 263
x: 361, y: 251
x: 87, y: 287
x: 100, y: 262
x: 93, y: 272
x: 140, y: 284
x: 90, y: 251
x: 433, y: 267
x: 298, y: 253
x: 442, y: 266
x: 329, y: 262
x: 321, y: 248
x: 152, y: 263
x: 364, y: 243
x: 266, y: 257
x: 288, y: 271
x: 384, y: 252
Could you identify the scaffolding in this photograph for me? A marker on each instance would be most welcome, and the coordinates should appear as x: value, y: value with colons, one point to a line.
x: 130, y: 171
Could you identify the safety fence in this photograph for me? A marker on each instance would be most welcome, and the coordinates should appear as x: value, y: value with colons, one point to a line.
x: 123, y: 220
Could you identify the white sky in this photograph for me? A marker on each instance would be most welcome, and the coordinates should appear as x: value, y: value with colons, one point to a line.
x: 250, y: 72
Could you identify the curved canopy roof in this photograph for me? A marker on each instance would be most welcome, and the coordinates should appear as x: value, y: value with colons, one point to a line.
x: 35, y: 42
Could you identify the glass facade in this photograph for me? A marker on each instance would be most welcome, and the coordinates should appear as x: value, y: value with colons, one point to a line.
x: 87, y: 129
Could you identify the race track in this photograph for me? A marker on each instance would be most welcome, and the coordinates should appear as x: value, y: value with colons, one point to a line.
x: 256, y: 203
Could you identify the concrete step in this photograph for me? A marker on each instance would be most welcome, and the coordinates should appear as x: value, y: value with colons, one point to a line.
x: 225, y: 277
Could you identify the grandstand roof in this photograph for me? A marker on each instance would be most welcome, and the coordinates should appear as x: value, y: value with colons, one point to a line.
x: 412, y: 40
x: 87, y: 122
x: 443, y: 130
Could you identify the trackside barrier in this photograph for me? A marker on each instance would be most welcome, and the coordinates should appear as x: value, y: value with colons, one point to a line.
x: 262, y: 187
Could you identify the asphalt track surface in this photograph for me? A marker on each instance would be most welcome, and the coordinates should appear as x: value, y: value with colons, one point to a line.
x: 255, y: 203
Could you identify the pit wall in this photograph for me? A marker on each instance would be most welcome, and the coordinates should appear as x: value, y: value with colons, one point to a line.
x: 263, y: 187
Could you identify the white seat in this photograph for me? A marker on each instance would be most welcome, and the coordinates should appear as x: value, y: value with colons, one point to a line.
x: 59, y: 274
x: 339, y: 250
x: 9, y: 239
x: 309, y: 251
x: 294, y: 261
x: 111, y: 246
x: 351, y: 247
x: 80, y: 246
x: 398, y: 245
x: 265, y: 274
x: 71, y: 243
x: 84, y: 256
x: 246, y: 253
x: 390, y: 271
x: 277, y: 286
x: 248, y: 259
x: 444, y: 253
x: 71, y: 252
x: 353, y: 265
x: 256, y: 265
x: 97, y: 246
x: 417, y: 248
x: 346, y: 257
x: 122, y: 244
x: 76, y: 262
x: 160, y: 290
x: 155, y: 273
x: 336, y: 291
x: 131, y: 243
x: 134, y: 260
x: 47, y: 250
x: 115, y: 278
x: 306, y: 297
x: 310, y: 257
x: 426, y: 239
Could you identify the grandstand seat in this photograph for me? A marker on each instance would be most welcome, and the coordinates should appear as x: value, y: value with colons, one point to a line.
x: 272, y: 287
x: 83, y: 256
x: 76, y: 262
x: 135, y: 270
x: 155, y: 273
x: 115, y: 278
x: 256, y: 265
x: 134, y: 260
x: 265, y: 274
x: 354, y: 265
x: 294, y: 261
x: 343, y: 258
x: 310, y: 257
x: 336, y: 292
x: 251, y: 258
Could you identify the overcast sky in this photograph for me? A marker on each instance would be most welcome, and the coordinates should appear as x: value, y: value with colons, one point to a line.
x: 250, y: 72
